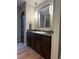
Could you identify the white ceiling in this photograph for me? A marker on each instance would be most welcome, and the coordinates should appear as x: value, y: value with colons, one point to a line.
x: 32, y: 2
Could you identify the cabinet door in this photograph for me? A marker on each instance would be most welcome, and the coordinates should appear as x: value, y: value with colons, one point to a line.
x: 37, y: 43
x: 45, y: 47
x: 32, y: 40
x: 28, y: 39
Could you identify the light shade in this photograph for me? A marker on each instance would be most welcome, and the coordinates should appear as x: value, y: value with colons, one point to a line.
x: 51, y: 9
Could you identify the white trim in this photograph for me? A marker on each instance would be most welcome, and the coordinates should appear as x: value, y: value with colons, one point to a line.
x: 56, y: 28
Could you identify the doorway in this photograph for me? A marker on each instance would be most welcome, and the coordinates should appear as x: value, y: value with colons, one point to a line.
x: 23, y: 23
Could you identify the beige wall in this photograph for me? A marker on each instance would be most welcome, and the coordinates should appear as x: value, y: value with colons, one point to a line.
x: 30, y: 16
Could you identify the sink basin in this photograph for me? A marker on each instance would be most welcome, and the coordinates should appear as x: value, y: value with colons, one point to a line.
x: 41, y: 32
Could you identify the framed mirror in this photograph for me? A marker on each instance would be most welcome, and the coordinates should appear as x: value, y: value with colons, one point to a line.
x: 44, y: 17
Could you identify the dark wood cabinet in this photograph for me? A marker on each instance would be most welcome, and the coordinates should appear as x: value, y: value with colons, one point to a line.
x: 40, y: 43
x: 37, y: 43
x: 32, y: 40
x: 45, y: 46
x: 28, y: 39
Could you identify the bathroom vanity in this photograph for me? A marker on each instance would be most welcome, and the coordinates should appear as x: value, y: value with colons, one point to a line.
x: 40, y: 42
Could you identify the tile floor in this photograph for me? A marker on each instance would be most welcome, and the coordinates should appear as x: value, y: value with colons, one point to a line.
x: 27, y: 53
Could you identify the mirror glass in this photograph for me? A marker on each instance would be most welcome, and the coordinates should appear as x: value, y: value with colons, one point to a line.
x: 44, y: 17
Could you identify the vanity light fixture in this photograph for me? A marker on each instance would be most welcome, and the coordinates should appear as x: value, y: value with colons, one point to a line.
x: 36, y: 15
x: 51, y: 9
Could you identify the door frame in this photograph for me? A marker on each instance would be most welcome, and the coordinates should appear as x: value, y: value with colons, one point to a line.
x: 56, y: 28
x: 24, y: 10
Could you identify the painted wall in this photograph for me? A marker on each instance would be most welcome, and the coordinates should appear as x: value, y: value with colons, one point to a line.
x: 30, y: 16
